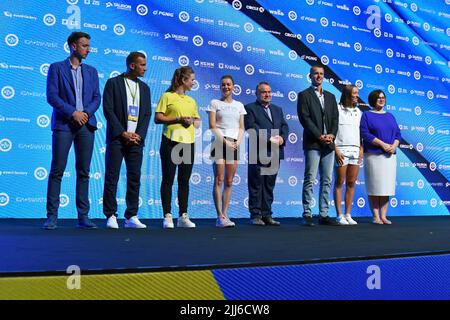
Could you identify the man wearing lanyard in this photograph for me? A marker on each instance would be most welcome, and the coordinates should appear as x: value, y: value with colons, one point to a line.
x: 73, y: 92
x: 127, y: 109
x: 319, y: 116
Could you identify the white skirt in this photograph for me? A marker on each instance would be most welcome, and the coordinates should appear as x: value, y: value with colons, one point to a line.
x: 380, y: 171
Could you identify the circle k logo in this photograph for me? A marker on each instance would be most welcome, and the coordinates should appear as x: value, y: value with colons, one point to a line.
x: 142, y: 10
x: 183, y: 61
x: 8, y: 92
x: 198, y: 41
x: 237, y: 46
x: 248, y: 27
x: 292, y: 15
x: 43, y: 121
x: 119, y: 29
x: 196, y: 178
x: 293, y: 55
x: 249, y: 69
x: 184, y: 16
x: 5, y: 145
x: 40, y: 173
x: 12, y: 40
x: 44, y: 69
x: 49, y: 20
x: 4, y: 199
x: 64, y: 200
x: 237, y: 90
x: 237, y: 5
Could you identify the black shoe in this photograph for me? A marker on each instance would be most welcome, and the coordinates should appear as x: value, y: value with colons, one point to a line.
x: 257, y: 221
x: 270, y: 222
x: 85, y: 223
x: 50, y: 223
x: 308, y: 221
x: 327, y: 221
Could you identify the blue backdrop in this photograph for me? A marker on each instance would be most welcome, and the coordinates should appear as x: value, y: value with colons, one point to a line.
x: 401, y: 47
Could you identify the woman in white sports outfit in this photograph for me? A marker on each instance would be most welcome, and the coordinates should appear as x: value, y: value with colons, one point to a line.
x: 348, y: 152
x: 226, y: 121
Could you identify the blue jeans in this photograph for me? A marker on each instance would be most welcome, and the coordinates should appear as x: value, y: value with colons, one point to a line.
x: 83, y: 141
x: 322, y: 160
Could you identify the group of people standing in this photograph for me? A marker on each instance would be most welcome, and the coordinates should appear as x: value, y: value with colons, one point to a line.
x: 334, y: 136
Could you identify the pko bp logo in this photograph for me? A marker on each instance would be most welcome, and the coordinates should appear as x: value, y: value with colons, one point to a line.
x: 8, y: 92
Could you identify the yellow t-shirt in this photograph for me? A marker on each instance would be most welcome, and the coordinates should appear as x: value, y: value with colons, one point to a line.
x: 174, y: 105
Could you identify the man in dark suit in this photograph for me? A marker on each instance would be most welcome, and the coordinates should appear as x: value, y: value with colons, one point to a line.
x: 73, y: 92
x: 319, y: 116
x: 268, y: 132
x: 127, y: 109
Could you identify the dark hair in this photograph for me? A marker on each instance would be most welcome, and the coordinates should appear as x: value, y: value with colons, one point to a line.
x: 178, y: 76
x: 346, y: 97
x: 133, y: 57
x: 75, y: 36
x: 262, y: 82
x: 317, y: 66
x: 373, y: 97
x: 227, y: 76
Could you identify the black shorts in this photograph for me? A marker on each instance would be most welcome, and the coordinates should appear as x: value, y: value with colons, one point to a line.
x: 220, y: 151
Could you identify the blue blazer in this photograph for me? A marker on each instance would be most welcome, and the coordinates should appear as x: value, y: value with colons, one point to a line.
x: 257, y: 119
x: 61, y: 94
x: 115, y: 109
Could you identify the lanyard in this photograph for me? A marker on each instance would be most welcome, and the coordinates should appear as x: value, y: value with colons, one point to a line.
x: 133, y: 95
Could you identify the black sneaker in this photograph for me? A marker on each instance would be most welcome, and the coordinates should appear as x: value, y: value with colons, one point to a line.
x: 327, y: 221
x: 308, y: 221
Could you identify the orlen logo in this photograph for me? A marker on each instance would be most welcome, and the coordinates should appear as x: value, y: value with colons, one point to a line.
x: 248, y: 27
x: 12, y: 40
x: 183, y: 61
x: 119, y: 29
x: 249, y: 69
x: 292, y: 138
x: 237, y: 46
x: 49, y: 20
x: 237, y: 5
x: 4, y: 199
x: 43, y: 121
x: 361, y: 202
x: 196, y: 178
x: 40, y: 173
x: 198, y: 41
x: 236, y: 180
x: 394, y: 202
x: 142, y: 10
x: 292, y: 181
x: 64, y: 200
x: 8, y: 92
x: 184, y: 16
x: 5, y: 145
x: 44, y: 69
x: 237, y: 90
x: 292, y: 95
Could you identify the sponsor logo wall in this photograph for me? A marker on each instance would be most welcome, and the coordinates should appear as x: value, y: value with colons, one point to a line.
x: 401, y: 47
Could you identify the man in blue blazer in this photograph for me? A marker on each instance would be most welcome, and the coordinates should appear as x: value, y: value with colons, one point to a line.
x: 268, y: 132
x: 319, y: 116
x: 127, y: 109
x: 73, y: 92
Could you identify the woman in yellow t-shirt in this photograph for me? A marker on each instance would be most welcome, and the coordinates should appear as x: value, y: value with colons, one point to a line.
x: 178, y: 112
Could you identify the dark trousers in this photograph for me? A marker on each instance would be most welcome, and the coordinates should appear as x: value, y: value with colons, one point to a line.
x: 169, y: 167
x: 83, y: 141
x: 115, y: 153
x: 260, y: 192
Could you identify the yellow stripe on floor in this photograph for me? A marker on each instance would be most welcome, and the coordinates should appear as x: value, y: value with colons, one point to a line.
x: 183, y: 285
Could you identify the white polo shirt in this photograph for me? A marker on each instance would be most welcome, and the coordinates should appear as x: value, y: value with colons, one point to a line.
x: 348, y: 131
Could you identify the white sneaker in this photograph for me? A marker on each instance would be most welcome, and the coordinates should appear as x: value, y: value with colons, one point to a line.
x: 134, y: 223
x: 168, y: 221
x: 224, y: 223
x: 111, y: 223
x: 342, y: 221
x: 350, y: 221
x: 184, y: 222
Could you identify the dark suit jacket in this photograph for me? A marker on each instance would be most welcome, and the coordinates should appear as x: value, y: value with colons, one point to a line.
x: 312, y: 117
x: 116, y: 110
x: 61, y: 94
x: 256, y: 118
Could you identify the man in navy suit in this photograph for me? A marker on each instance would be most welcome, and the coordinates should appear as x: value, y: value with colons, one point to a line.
x: 319, y: 116
x: 127, y: 109
x: 73, y: 92
x: 268, y: 132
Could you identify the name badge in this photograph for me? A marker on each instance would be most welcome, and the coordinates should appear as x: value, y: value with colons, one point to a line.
x: 133, y: 113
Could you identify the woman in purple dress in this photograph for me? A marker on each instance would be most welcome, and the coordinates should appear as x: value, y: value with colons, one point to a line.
x: 381, y: 136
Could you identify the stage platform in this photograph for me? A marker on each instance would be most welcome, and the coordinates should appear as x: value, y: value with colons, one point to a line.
x: 208, y: 253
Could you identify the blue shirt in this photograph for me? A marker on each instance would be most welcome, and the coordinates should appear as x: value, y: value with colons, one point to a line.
x: 78, y: 83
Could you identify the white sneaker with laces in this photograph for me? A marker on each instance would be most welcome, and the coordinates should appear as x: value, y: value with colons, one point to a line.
x: 134, y: 223
x: 224, y: 223
x: 342, y: 221
x: 111, y: 223
x: 168, y: 221
x: 350, y: 221
x: 184, y: 222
